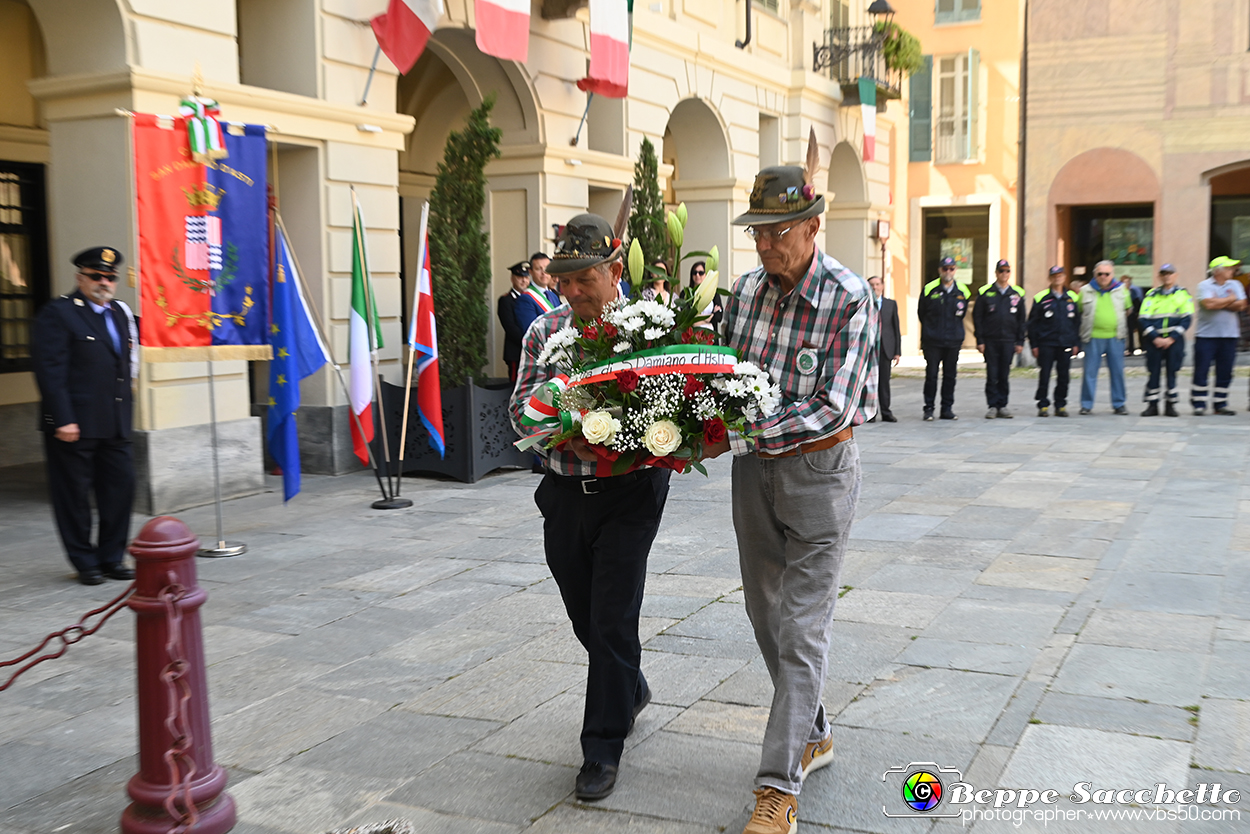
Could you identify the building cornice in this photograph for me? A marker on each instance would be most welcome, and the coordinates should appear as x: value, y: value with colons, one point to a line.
x: 71, y: 97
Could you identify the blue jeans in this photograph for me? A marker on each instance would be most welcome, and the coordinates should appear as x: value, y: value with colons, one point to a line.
x: 1095, y: 349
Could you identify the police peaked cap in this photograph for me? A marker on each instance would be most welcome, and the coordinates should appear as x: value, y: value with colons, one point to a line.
x: 521, y: 268
x: 99, y: 258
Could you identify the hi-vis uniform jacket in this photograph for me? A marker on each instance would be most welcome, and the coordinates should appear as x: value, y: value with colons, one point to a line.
x: 1165, y: 313
x: 942, y: 314
x: 999, y: 315
x: 1054, y: 321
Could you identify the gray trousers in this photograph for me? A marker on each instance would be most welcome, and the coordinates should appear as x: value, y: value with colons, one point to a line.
x: 793, y: 516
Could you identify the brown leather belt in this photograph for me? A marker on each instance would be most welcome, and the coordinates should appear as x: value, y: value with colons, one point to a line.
x: 815, y: 446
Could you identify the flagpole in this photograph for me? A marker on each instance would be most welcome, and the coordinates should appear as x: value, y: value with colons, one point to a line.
x: 223, y: 548
x: 338, y: 370
x: 372, y: 69
x: 391, y: 502
x: 412, y: 327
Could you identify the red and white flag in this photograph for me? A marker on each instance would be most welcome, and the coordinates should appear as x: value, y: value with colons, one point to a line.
x: 503, y: 28
x: 423, y: 339
x: 609, y: 49
x: 404, y: 28
x: 868, y: 112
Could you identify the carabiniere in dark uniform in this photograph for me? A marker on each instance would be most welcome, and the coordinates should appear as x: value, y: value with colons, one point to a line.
x: 82, y: 351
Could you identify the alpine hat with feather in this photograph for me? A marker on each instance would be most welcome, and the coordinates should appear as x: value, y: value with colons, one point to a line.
x: 587, y: 240
x: 785, y: 193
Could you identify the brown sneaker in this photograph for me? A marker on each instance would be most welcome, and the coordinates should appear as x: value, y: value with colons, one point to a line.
x: 816, y: 755
x: 775, y: 813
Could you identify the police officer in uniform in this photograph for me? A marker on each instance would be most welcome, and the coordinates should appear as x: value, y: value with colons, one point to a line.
x: 1055, y: 335
x: 85, y: 356
x: 1165, y: 315
x: 998, y: 321
x: 506, y: 310
x: 942, y: 308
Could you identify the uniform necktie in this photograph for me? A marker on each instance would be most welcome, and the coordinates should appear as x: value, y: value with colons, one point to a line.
x: 112, y: 329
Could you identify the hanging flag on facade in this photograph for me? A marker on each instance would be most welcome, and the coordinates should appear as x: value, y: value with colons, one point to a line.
x: 404, y: 29
x: 423, y: 339
x: 503, y: 28
x: 297, y: 352
x: 360, y: 345
x: 203, y: 265
x: 868, y: 110
x: 609, y: 48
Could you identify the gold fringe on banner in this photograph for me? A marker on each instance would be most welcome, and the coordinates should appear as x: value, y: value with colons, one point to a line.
x: 214, y: 353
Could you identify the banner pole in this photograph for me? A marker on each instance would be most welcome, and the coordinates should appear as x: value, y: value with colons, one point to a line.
x: 412, y: 329
x: 373, y: 68
x: 223, y: 548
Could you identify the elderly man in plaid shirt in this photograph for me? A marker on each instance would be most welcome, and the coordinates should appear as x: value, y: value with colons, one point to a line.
x: 597, y: 532
x: 813, y: 324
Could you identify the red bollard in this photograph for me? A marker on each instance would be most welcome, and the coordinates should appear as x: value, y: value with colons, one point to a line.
x: 173, y: 699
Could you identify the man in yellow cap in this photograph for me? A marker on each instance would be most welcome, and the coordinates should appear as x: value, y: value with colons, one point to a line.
x: 1215, y: 337
x: 85, y: 357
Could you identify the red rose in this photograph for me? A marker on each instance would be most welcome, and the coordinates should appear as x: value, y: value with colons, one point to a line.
x: 590, y: 332
x: 713, y: 431
x: 693, y: 386
x: 626, y: 381
x: 610, y: 331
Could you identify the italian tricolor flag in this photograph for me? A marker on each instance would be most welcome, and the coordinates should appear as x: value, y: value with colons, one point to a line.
x: 609, y: 48
x: 503, y: 28
x: 360, y: 350
x: 868, y: 109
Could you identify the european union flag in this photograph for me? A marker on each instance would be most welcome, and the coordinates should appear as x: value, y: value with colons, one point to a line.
x: 297, y: 351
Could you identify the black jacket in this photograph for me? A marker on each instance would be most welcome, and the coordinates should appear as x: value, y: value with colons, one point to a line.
x: 511, y: 330
x: 81, y: 378
x: 942, y: 315
x: 999, y: 316
x: 891, y: 337
x: 1054, y: 322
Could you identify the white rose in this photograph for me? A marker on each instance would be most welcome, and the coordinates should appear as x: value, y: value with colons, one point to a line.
x: 599, y: 427
x: 662, y: 438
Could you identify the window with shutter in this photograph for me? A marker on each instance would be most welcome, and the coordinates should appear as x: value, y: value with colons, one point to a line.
x: 920, y: 112
x: 957, y: 11
x: 957, y: 93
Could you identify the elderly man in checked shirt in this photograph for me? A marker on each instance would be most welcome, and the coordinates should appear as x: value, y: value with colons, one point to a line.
x: 597, y: 532
x: 812, y: 323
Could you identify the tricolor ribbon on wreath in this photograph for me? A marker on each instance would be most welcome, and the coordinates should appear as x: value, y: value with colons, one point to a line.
x: 203, y: 130
x: 542, y: 414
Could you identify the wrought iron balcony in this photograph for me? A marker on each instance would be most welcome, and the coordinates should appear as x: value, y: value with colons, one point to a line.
x: 850, y: 53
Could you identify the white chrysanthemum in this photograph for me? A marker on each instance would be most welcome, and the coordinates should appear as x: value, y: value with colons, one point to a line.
x: 653, y: 332
x: 620, y: 347
x: 747, y: 369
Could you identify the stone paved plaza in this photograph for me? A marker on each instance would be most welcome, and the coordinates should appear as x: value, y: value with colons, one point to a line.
x: 1033, y: 602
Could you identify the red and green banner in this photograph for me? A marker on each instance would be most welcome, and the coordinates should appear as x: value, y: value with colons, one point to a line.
x: 203, y: 243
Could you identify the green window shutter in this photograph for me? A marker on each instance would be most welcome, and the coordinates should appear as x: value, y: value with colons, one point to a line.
x: 920, y: 96
x: 974, y: 83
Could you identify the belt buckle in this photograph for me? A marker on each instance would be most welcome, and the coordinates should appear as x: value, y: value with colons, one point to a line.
x: 588, y: 481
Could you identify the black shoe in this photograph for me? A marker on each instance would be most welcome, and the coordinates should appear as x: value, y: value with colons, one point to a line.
x: 1122, y: 411
x: 1152, y: 410
x: 91, y: 577
x: 1169, y: 410
x: 947, y: 414
x: 1085, y: 410
x: 928, y: 415
x: 639, y: 707
x: 119, y: 572
x: 1224, y: 411
x: 595, y: 781
x: 889, y: 418
x: 1061, y: 412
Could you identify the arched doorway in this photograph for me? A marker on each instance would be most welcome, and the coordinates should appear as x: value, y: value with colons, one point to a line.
x: 696, y: 146
x: 451, y: 78
x: 847, y: 230
x: 1230, y: 211
x: 1103, y: 204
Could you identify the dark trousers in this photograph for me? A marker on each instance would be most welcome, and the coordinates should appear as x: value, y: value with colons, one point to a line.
x: 998, y: 357
x: 884, y: 365
x: 1224, y: 352
x: 1060, y: 358
x: 948, y: 358
x: 1156, y: 360
x: 1134, y: 340
x: 75, y: 470
x: 597, y: 548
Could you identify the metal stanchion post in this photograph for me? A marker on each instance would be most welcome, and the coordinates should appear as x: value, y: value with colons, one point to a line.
x: 223, y: 548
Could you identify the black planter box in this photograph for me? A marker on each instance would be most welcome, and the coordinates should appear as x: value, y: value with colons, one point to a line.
x: 476, y: 429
